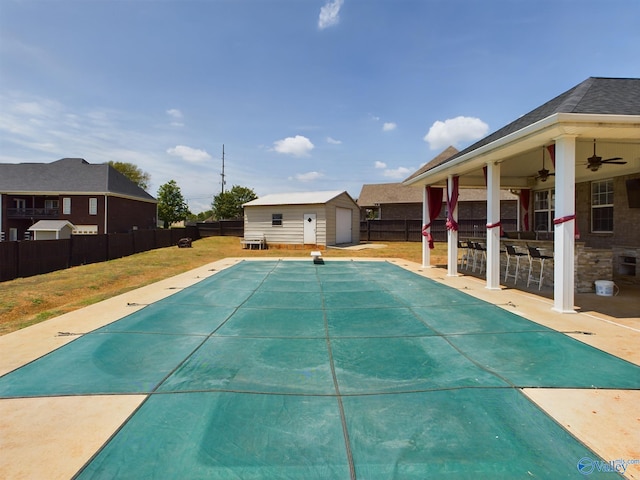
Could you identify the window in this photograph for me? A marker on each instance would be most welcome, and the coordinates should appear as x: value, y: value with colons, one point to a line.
x: 21, y: 204
x: 276, y: 219
x: 93, y: 206
x: 602, y: 206
x: 66, y: 206
x: 85, y: 230
x: 544, y: 205
x: 51, y: 205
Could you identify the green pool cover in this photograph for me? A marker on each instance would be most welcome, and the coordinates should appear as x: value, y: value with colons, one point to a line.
x: 289, y: 369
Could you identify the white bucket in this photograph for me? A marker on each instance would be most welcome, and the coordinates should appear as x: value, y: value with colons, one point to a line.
x: 605, y: 288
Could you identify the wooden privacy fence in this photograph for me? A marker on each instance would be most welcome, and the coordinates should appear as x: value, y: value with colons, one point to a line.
x: 411, y: 230
x: 222, y: 228
x: 28, y: 258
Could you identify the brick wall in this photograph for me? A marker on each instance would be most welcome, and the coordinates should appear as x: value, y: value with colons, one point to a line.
x: 626, y: 221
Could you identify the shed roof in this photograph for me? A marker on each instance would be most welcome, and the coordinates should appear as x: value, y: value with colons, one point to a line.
x: 50, y: 225
x: 298, y: 198
x: 595, y: 95
x: 68, y: 175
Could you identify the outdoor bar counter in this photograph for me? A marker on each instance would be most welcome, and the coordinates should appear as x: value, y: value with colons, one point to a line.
x: 591, y: 264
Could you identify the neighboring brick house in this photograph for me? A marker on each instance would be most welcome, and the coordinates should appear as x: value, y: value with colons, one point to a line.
x: 395, y: 201
x: 95, y: 198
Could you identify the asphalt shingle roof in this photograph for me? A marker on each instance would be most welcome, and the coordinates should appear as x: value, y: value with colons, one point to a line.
x: 68, y: 175
x: 596, y: 95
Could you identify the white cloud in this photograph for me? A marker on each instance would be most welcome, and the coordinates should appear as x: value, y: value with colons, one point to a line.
x: 191, y: 155
x: 297, y: 146
x: 307, y: 177
x: 397, y: 173
x: 333, y: 141
x: 329, y: 14
x: 454, y: 131
x: 177, y: 117
x: 388, y: 126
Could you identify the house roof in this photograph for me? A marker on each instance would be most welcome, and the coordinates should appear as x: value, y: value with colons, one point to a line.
x: 596, y: 95
x: 438, y: 160
x: 374, y: 195
x: 68, y: 176
x: 298, y: 198
x: 50, y: 225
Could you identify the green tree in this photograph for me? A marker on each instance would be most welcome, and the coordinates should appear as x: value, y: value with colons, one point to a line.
x: 228, y: 205
x: 172, y: 206
x: 200, y: 217
x: 133, y: 173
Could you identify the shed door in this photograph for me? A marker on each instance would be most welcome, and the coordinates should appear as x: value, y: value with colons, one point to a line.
x: 309, y: 228
x: 343, y: 225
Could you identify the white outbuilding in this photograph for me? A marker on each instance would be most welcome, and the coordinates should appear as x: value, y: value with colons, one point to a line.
x: 306, y: 218
x: 51, y: 229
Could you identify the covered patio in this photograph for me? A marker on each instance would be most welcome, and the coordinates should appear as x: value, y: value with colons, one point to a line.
x: 563, y: 143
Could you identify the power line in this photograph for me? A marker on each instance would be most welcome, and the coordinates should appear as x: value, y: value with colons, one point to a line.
x: 222, y: 174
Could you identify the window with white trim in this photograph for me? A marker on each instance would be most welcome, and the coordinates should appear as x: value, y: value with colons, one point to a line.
x: 276, y: 219
x: 93, y: 206
x: 66, y: 206
x: 602, y: 206
x: 544, y: 206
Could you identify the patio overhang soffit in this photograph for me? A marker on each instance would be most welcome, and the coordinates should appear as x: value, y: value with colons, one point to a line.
x: 520, y: 152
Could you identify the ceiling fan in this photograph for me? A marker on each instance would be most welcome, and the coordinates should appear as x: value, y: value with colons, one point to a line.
x: 543, y: 173
x: 595, y: 162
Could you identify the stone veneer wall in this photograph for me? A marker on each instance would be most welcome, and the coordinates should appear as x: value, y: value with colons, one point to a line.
x: 591, y: 264
x: 626, y: 261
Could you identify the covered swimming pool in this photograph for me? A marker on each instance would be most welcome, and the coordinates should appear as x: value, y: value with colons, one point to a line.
x: 289, y: 369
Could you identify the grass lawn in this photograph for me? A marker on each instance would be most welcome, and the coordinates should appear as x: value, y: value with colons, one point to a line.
x: 26, y: 301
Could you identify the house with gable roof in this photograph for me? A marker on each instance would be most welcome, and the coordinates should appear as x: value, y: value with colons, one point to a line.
x: 94, y: 198
x: 575, y: 161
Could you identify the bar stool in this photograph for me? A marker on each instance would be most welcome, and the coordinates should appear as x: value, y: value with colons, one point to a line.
x: 480, y: 250
x: 534, y: 254
x: 513, y: 253
x: 464, y: 259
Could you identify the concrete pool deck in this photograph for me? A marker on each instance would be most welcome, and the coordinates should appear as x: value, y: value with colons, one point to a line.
x: 53, y: 437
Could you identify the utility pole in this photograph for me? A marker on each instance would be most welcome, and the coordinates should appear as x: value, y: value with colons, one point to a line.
x: 222, y: 174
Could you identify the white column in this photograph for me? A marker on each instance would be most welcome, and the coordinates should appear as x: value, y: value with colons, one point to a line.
x: 106, y: 212
x: 518, y: 213
x: 493, y: 234
x: 426, y: 253
x: 564, y: 241
x: 452, y: 237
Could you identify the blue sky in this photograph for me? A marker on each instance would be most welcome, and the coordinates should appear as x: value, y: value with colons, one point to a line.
x: 304, y: 94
